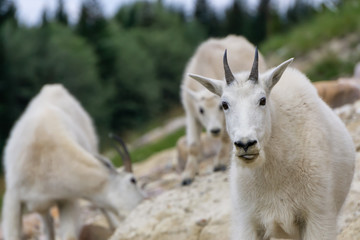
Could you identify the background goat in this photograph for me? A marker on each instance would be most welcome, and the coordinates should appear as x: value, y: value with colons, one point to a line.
x: 51, y: 158
x: 202, y: 108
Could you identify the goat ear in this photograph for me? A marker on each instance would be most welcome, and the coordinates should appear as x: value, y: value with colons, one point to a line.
x: 190, y: 92
x: 107, y: 163
x: 213, y: 85
x: 276, y: 73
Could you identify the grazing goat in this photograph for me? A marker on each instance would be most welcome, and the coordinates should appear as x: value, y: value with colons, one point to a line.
x: 293, y: 159
x: 51, y: 158
x: 202, y: 108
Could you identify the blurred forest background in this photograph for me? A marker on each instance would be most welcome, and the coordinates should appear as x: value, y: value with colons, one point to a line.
x: 126, y: 70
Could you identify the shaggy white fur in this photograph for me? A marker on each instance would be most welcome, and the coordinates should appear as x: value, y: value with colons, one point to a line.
x: 51, y: 158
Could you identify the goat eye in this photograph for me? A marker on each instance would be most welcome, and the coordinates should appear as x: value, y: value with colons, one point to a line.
x: 201, y: 110
x: 262, y: 101
x: 225, y: 106
x: 133, y: 180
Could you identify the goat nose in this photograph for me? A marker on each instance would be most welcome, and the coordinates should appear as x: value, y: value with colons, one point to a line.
x: 246, y: 145
x: 215, y: 131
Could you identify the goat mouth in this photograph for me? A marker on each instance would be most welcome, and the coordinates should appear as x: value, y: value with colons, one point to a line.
x: 215, y: 134
x: 248, y: 157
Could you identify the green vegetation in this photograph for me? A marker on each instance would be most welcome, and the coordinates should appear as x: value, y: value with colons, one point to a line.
x: 146, y: 151
x: 153, y: 123
x: 313, y: 33
x: 126, y: 71
x: 331, y: 67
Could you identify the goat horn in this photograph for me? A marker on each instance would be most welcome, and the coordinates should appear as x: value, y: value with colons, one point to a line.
x: 254, y: 74
x: 124, y: 153
x: 106, y: 162
x: 229, y: 77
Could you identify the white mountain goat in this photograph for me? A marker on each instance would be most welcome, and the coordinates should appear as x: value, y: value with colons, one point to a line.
x: 51, y: 158
x: 202, y: 108
x: 293, y: 159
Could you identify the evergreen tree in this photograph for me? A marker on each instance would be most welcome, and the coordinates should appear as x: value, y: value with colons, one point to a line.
x: 300, y: 11
x: 7, y: 11
x: 44, y: 19
x: 92, y: 23
x: 260, y: 21
x: 82, y: 24
x: 52, y: 54
x: 207, y: 18
x: 139, y: 14
x: 7, y: 17
x: 202, y: 10
x: 236, y: 18
x: 60, y: 14
x: 215, y: 25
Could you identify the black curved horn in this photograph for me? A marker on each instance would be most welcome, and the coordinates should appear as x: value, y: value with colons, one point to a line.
x: 124, y: 153
x: 254, y: 74
x: 229, y: 77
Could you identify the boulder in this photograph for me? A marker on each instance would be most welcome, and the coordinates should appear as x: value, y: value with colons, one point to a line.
x: 94, y: 232
x: 338, y: 93
x: 200, y: 211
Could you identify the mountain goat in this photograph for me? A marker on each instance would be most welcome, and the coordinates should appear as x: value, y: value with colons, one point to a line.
x: 51, y: 158
x: 202, y: 108
x: 293, y: 159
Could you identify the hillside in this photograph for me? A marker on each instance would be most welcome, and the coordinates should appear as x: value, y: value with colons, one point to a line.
x: 325, y: 47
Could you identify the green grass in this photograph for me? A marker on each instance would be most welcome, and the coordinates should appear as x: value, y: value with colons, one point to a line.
x: 153, y: 123
x: 142, y: 153
x: 313, y: 33
x: 330, y: 68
